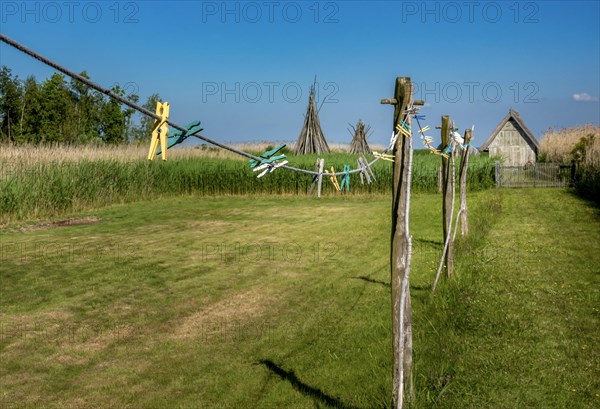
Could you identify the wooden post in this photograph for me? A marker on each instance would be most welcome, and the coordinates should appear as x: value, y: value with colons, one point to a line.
x: 439, y: 179
x: 447, y: 193
x: 400, y: 252
x: 464, y: 164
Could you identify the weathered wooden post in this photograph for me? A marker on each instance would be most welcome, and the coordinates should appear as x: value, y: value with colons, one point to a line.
x: 447, y: 194
x: 464, y: 164
x: 401, y: 250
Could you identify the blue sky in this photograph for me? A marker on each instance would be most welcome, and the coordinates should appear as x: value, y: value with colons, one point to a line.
x: 245, y: 68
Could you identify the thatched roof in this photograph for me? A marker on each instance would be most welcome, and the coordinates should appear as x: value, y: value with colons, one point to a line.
x: 527, y: 134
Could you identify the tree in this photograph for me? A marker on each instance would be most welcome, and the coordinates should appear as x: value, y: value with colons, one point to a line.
x: 11, y: 92
x: 112, y: 128
x: 31, y: 107
x: 56, y: 117
x: 143, y: 132
x: 128, y: 117
x: 88, y: 104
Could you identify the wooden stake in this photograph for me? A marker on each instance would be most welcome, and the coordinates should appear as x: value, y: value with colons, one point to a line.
x: 400, y: 252
x: 447, y: 193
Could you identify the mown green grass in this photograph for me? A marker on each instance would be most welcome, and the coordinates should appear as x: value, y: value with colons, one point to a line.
x: 284, y: 302
x: 51, y: 189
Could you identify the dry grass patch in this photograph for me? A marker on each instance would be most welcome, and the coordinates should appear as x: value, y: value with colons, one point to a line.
x: 234, y: 309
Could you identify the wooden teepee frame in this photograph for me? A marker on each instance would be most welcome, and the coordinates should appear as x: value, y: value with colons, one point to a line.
x: 359, y: 140
x: 311, y: 139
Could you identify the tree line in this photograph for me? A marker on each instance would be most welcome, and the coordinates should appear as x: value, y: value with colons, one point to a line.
x: 57, y: 111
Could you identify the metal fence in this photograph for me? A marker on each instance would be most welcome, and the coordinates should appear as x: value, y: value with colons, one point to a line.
x: 534, y: 175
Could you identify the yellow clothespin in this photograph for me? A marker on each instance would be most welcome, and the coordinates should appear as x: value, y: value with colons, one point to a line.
x: 404, y: 129
x: 160, y: 131
x: 334, y: 180
x: 384, y: 156
x: 435, y: 151
x: 424, y: 129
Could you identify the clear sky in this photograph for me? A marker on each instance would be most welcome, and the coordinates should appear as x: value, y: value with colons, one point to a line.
x: 244, y: 68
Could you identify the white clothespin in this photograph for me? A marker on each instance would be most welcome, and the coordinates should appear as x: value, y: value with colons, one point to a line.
x: 384, y: 156
x: 268, y: 167
x: 393, y: 140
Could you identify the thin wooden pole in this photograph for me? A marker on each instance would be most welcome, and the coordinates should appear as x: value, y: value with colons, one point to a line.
x: 464, y: 165
x: 400, y: 252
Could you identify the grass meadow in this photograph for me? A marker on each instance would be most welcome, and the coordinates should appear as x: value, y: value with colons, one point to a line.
x: 284, y: 302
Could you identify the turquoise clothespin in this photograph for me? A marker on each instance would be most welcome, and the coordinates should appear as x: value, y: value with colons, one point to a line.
x: 346, y: 179
x: 176, y: 136
x: 448, y: 149
x: 267, y: 157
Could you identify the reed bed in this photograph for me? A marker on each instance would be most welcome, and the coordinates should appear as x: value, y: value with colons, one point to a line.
x: 46, y: 182
x: 582, y: 145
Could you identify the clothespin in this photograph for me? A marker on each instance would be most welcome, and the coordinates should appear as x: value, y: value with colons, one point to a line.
x: 403, y: 128
x: 384, y: 156
x: 419, y: 117
x: 412, y: 110
x: 456, y: 136
x: 268, y: 167
x: 267, y: 157
x: 448, y: 149
x: 176, y: 136
x: 334, y: 180
x: 160, y: 131
x: 393, y: 140
x: 424, y: 129
x: 365, y: 170
x: 346, y: 178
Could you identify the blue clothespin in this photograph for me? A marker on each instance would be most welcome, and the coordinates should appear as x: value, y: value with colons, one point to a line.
x: 448, y: 149
x: 420, y: 117
x: 267, y: 157
x: 176, y: 136
x: 346, y: 178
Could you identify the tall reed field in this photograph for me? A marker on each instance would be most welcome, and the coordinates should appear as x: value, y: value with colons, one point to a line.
x: 582, y: 145
x: 37, y: 182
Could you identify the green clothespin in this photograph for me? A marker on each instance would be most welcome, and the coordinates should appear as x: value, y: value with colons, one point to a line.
x: 267, y: 157
x: 176, y: 136
x: 346, y: 179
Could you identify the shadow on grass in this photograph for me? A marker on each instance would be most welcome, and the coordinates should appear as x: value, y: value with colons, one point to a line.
x: 387, y: 285
x: 431, y: 243
x: 588, y: 200
x: 372, y: 280
x: 303, y: 388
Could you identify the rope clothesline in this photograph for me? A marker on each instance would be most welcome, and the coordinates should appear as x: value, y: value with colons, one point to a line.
x: 151, y: 114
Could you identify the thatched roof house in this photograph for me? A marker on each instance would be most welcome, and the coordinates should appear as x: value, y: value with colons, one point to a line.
x: 513, y: 141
